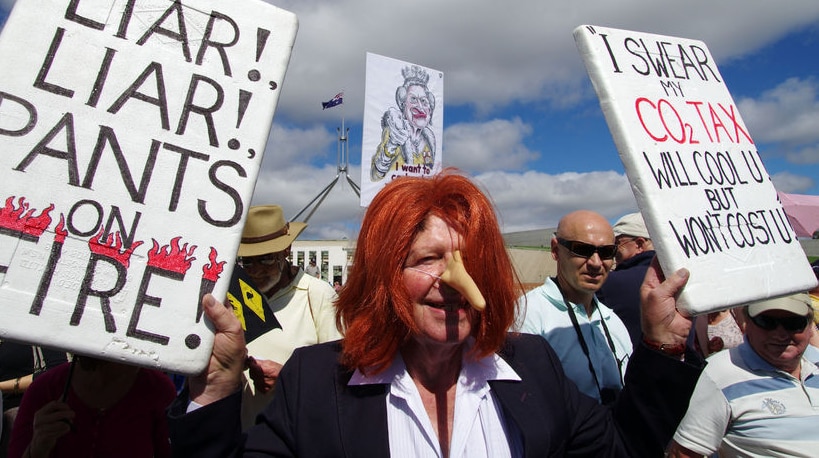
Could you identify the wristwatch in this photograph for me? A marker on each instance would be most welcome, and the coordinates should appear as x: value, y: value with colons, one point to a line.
x: 669, y: 349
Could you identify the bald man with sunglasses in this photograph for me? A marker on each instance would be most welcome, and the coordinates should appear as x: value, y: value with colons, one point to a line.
x: 591, y: 341
x: 762, y: 397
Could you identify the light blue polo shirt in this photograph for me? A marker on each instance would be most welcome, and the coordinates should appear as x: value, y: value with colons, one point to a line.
x: 546, y: 315
x: 743, y: 406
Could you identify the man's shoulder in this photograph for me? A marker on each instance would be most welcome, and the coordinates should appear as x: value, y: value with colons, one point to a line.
x: 624, y: 277
x: 639, y: 261
x: 309, y: 282
x: 541, y: 309
x: 811, y: 354
x: 733, y: 365
x: 543, y: 292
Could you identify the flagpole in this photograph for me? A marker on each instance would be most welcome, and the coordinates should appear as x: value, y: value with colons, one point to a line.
x: 342, y: 166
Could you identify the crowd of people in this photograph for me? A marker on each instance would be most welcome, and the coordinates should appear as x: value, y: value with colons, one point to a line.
x: 431, y: 348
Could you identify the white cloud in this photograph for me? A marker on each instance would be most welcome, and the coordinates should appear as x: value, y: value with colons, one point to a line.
x: 485, y: 146
x: 809, y: 155
x: 493, y: 54
x: 791, y: 183
x: 295, y: 187
x: 291, y: 146
x: 534, y: 200
x: 788, y: 113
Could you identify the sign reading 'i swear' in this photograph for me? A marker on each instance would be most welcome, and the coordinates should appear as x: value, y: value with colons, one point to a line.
x: 708, y: 203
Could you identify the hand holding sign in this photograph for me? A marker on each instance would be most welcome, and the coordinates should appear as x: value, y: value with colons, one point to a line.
x: 223, y: 374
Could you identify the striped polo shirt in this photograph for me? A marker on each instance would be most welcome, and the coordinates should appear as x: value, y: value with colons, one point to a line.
x: 743, y: 406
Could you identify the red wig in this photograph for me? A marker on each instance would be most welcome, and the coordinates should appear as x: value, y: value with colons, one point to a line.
x: 374, y: 305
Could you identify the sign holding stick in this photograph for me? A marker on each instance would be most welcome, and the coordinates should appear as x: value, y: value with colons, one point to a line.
x: 697, y: 176
x: 132, y: 134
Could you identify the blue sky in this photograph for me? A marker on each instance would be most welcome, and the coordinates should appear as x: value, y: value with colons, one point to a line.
x: 520, y: 115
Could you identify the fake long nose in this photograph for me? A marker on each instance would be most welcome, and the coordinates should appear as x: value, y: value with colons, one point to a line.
x: 456, y: 276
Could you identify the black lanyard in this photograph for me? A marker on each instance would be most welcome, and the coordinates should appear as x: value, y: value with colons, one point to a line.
x: 582, y: 340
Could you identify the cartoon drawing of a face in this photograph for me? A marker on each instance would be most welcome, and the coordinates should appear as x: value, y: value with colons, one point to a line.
x: 407, y: 137
x: 417, y: 106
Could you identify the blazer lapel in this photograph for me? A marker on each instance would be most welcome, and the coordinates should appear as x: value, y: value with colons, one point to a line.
x: 362, y: 418
x: 513, y: 395
x: 522, y: 406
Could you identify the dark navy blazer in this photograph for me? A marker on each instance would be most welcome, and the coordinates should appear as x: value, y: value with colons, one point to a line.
x: 314, y: 413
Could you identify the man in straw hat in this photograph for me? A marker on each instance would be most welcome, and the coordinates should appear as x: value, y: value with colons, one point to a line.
x: 302, y: 304
x: 760, y: 398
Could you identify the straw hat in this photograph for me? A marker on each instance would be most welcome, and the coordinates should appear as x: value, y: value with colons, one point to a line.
x: 266, y: 231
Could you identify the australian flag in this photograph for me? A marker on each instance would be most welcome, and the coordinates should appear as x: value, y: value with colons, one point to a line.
x: 337, y: 100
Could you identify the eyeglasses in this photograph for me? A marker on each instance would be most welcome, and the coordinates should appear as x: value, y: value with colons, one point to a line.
x: 266, y: 261
x: 620, y: 241
x: 587, y: 250
x: 790, y: 323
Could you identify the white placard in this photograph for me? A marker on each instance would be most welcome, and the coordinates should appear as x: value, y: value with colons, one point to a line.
x: 403, y: 123
x: 697, y: 176
x: 132, y: 133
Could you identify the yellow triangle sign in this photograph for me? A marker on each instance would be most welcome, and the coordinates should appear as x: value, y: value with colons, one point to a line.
x: 253, y: 300
x: 237, y: 309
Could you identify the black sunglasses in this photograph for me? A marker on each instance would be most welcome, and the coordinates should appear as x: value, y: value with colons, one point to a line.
x: 266, y: 261
x: 790, y: 323
x: 587, y: 250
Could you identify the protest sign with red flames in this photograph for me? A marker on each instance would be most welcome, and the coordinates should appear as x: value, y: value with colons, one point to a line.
x: 113, y: 119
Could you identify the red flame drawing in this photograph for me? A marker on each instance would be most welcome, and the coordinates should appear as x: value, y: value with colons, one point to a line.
x: 171, y: 257
x: 212, y: 270
x: 59, y: 232
x: 21, y: 219
x: 110, y: 249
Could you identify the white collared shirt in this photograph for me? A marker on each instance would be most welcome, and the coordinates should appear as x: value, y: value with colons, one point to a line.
x: 479, y: 428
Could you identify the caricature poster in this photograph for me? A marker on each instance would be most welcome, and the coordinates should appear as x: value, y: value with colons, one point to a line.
x: 698, y: 178
x: 132, y: 133
x: 403, y: 123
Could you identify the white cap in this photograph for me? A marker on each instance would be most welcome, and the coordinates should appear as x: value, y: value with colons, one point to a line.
x: 798, y: 304
x: 631, y: 224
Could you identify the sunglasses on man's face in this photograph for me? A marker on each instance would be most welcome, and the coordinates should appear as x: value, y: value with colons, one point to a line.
x: 587, y: 250
x: 790, y: 323
x: 266, y: 261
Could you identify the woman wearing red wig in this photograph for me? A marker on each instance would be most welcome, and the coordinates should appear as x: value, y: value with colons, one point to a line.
x: 427, y: 366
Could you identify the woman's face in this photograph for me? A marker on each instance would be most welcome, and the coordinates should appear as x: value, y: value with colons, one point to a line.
x: 441, y: 313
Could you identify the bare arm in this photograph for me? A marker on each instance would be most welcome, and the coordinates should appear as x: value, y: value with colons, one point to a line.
x: 16, y: 385
x: 676, y: 450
